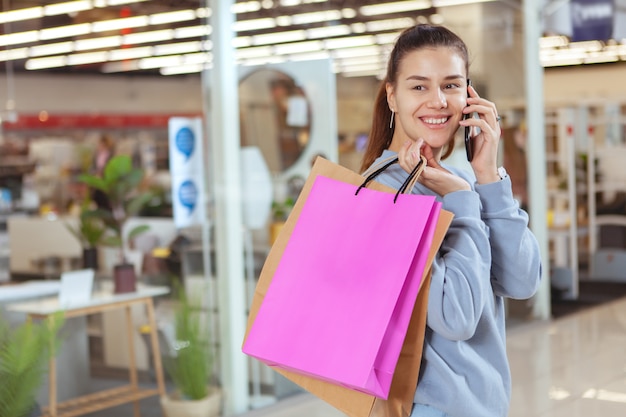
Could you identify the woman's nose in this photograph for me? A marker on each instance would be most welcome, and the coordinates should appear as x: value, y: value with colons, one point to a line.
x: 438, y: 100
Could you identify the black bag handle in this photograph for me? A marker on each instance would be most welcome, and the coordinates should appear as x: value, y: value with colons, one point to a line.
x: 408, y: 183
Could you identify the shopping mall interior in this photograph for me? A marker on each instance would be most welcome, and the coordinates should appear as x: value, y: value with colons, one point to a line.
x: 152, y: 152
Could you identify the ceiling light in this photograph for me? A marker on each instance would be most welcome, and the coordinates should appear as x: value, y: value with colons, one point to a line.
x: 328, y: 32
x: 48, y: 62
x: 242, y: 41
x: 17, y: 38
x: 178, y: 48
x: 13, y: 54
x: 67, y: 7
x: 172, y: 17
x: 386, y: 38
x: 203, y: 13
x: 160, y: 61
x: 353, y: 52
x: 395, y: 7
x: 389, y: 24
x: 264, y: 61
x: 118, y: 24
x: 254, y: 24
x: 192, y: 32
x: 185, y: 69
x: 297, y: 47
x: 120, y: 2
x: 444, y: 3
x: 51, y: 49
x: 97, y: 43
x: 279, y: 37
x: 310, y: 56
x: 87, y: 58
x: 340, y: 43
x: 65, y: 31
x: 316, y: 17
x: 283, y: 21
x: 246, y: 7
x: 130, y: 53
x: 254, y: 52
x: 348, y: 13
x: 21, y: 14
x: 151, y: 36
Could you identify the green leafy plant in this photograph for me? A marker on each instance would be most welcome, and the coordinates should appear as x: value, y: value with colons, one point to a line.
x: 281, y: 209
x: 121, y: 183
x: 90, y: 229
x: 191, y: 364
x: 24, y: 354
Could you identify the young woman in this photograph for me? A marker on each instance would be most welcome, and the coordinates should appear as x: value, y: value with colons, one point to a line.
x: 488, y: 253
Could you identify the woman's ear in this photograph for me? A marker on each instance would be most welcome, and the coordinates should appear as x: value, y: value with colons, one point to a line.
x: 391, y: 96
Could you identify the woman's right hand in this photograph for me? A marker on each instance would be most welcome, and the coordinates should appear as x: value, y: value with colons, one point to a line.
x: 434, y: 176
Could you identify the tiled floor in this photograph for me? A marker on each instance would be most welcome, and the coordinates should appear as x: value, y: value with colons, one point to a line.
x: 573, y: 366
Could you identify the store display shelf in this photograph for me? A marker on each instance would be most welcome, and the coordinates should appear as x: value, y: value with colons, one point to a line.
x: 99, y: 401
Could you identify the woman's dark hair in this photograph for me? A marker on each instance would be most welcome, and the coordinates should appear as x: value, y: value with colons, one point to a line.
x: 411, y: 39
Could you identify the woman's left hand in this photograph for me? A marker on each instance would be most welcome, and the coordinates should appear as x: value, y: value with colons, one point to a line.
x: 486, y: 142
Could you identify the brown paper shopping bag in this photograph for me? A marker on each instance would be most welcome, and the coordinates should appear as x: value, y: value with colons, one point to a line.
x: 354, y: 403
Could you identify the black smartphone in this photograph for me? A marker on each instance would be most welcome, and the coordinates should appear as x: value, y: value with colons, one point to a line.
x: 469, y: 149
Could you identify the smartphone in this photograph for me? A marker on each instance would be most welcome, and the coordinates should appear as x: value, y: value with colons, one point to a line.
x: 469, y: 149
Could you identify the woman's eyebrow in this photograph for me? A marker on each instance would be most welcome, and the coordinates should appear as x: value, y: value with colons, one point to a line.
x: 423, y: 78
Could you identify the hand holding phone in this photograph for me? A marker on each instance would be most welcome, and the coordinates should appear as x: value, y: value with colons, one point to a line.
x: 469, y: 148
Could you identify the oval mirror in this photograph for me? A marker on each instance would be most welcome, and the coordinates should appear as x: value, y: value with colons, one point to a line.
x: 275, y: 116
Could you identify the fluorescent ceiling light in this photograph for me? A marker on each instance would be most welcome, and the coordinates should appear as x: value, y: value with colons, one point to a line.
x: 389, y: 24
x: 387, y: 38
x: 120, y: 2
x: 254, y: 52
x: 361, y: 60
x: 278, y: 37
x: 13, y: 54
x: 340, y: 43
x: 371, y: 73
x: 172, y: 17
x: 97, y: 43
x: 21, y: 14
x: 348, y: 13
x: 185, y: 69
x: 67, y: 7
x: 444, y: 3
x: 316, y: 17
x: 130, y: 53
x: 197, y: 58
x: 328, y: 32
x: 297, y: 47
x: 20, y: 37
x: 151, y: 36
x: 395, y: 7
x: 254, y: 24
x: 87, y: 58
x: 192, y: 32
x: 242, y: 41
x: 48, y: 62
x: 178, y: 48
x: 553, y: 41
x: 310, y: 56
x: 65, y: 31
x: 118, y: 24
x: 51, y: 49
x: 263, y: 61
x: 160, y: 61
x: 246, y: 7
x: 354, y: 52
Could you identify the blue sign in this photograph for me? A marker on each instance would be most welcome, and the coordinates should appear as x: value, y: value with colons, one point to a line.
x: 188, y: 195
x: 185, y: 141
x: 592, y: 20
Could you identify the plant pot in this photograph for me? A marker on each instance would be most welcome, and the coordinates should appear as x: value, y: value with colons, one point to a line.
x: 173, y: 406
x: 124, y: 278
x: 275, y: 228
x: 90, y: 258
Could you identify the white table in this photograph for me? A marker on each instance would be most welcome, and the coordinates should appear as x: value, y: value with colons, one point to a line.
x: 102, y: 301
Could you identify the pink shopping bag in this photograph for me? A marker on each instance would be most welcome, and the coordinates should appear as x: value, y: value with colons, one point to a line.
x: 341, y: 298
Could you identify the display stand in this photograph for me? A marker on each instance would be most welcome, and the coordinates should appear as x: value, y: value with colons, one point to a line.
x: 45, y: 309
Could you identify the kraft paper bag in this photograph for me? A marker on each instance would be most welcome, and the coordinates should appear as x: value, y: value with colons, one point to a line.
x: 348, y: 400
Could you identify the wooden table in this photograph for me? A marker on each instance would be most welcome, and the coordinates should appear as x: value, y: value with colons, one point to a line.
x: 102, y: 301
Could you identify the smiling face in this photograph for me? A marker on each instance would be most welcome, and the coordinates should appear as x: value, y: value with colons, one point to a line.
x: 428, y: 97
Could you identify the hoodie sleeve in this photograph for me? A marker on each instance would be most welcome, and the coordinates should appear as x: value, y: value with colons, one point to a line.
x: 515, y: 256
x: 460, y: 284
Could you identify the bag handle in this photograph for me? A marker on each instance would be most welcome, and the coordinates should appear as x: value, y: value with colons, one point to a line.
x: 408, y: 183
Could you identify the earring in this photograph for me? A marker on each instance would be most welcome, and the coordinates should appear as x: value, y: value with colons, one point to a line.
x: 391, y: 121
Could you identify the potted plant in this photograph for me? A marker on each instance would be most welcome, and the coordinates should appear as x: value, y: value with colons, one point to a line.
x: 189, y: 365
x: 24, y: 354
x: 280, y: 212
x: 89, y: 232
x: 121, y: 183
